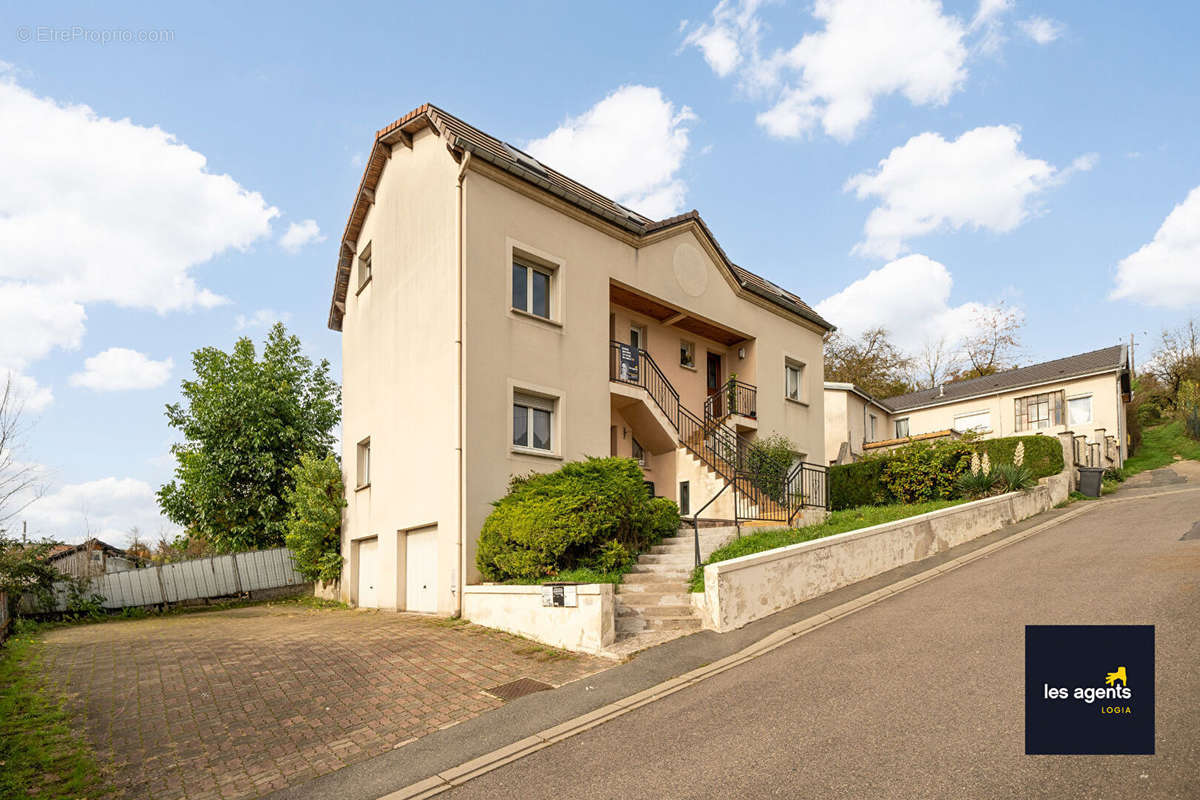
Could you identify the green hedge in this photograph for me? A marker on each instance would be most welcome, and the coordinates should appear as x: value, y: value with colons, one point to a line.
x: 904, y: 474
x: 593, y: 514
x: 857, y: 484
x: 1043, y: 454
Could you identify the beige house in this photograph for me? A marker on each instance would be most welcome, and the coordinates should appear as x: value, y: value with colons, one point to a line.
x: 499, y: 318
x: 1085, y: 394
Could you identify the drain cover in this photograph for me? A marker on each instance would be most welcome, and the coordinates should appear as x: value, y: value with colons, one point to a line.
x: 517, y: 688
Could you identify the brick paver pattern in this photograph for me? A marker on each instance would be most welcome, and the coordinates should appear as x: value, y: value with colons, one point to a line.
x: 238, y: 703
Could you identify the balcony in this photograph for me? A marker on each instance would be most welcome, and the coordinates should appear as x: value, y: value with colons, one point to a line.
x: 735, y: 397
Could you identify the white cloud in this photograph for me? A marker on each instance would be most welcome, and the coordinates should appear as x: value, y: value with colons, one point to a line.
x: 730, y: 38
x: 99, y: 210
x: 910, y: 297
x: 105, y: 508
x: 629, y: 146
x: 988, y: 24
x: 31, y: 395
x: 832, y: 77
x: 1166, y: 271
x: 300, y: 234
x: 981, y: 180
x: 119, y: 368
x: 262, y: 318
x: 1041, y: 29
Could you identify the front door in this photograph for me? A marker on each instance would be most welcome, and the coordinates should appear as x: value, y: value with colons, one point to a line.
x: 637, y: 337
x: 714, y: 373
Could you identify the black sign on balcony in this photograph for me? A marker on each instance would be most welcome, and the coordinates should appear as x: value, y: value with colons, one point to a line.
x: 627, y: 369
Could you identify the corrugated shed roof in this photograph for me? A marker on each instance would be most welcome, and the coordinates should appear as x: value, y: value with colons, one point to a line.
x: 462, y: 136
x: 1108, y: 359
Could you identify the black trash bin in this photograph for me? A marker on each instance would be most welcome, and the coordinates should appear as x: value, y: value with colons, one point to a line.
x: 1089, y: 480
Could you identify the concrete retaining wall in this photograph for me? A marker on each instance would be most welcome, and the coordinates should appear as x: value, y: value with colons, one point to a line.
x: 587, y: 628
x: 741, y: 590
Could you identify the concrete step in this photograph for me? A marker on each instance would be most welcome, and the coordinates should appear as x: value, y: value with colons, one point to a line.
x: 653, y: 587
x: 682, y: 559
x: 678, y: 597
x: 660, y: 572
x: 681, y: 548
x: 669, y: 611
x: 633, y: 624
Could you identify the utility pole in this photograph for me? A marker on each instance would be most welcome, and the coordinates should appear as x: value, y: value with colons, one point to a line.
x: 1131, y: 372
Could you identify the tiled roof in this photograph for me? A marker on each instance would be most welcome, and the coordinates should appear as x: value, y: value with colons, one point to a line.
x: 1108, y: 359
x: 461, y: 136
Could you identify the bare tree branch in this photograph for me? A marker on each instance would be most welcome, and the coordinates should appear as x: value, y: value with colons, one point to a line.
x: 20, y: 484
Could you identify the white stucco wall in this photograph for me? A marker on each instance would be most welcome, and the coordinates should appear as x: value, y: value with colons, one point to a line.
x: 587, y: 628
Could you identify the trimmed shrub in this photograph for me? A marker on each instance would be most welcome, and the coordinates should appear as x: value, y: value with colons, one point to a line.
x: 925, y: 471
x: 1043, y: 454
x: 857, y: 484
x: 594, y: 514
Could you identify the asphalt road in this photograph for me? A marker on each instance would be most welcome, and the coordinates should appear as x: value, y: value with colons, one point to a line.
x: 921, y: 695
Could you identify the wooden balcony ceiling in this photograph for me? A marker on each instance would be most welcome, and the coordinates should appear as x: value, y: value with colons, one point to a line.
x: 669, y: 315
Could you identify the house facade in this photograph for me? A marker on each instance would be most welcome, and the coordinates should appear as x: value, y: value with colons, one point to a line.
x: 498, y: 318
x: 1085, y: 394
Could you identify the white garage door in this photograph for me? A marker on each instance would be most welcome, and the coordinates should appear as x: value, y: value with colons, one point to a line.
x: 420, y: 570
x: 368, y: 573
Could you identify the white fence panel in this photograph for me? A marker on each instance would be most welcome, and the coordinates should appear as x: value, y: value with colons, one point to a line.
x: 216, y: 576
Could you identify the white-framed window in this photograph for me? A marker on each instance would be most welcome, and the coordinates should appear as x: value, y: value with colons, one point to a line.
x: 637, y: 337
x: 1079, y: 410
x: 974, y: 421
x: 793, y: 381
x: 364, y: 267
x: 532, y: 286
x: 902, y: 428
x: 872, y: 427
x: 363, y: 464
x: 687, y: 354
x: 639, y: 453
x: 533, y: 422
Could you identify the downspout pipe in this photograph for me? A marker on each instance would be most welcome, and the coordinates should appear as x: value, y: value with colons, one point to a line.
x: 458, y: 346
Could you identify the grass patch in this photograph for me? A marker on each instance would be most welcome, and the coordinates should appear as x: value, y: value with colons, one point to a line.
x: 40, y: 754
x: 850, y: 519
x: 1160, y: 447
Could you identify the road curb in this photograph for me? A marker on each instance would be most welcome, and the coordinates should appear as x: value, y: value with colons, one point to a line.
x: 456, y: 776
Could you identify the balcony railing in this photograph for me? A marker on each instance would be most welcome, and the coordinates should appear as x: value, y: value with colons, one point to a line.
x: 757, y: 496
x: 735, y: 397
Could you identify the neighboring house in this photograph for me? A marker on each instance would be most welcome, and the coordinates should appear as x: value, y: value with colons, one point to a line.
x: 853, y: 418
x: 89, y: 559
x: 1085, y: 394
x: 499, y: 318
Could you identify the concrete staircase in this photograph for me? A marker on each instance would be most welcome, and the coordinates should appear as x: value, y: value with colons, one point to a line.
x: 654, y: 604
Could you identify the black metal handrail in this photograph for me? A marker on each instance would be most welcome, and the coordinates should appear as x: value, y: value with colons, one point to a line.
x: 631, y: 365
x: 720, y: 447
x: 735, y: 397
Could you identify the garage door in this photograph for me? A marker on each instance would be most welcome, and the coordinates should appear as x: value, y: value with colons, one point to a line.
x: 420, y: 570
x: 368, y: 573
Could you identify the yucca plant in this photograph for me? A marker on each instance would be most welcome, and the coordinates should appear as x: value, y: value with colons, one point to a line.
x: 975, y: 484
x: 1014, y: 478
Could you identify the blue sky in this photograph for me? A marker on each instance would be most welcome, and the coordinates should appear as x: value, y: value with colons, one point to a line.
x: 908, y: 163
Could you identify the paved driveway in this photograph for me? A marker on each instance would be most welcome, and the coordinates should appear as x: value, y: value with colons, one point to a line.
x: 237, y: 703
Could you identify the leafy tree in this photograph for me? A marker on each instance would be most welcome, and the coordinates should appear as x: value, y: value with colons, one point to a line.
x: 1176, y: 361
x: 315, y: 517
x: 245, y: 423
x: 870, y: 362
x: 23, y: 569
